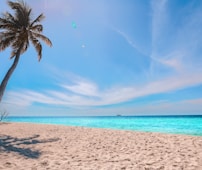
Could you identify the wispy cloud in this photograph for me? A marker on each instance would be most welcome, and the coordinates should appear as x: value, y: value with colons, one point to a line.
x: 151, y: 108
x: 175, y: 46
x: 86, y: 93
x: 193, y: 102
x: 83, y: 87
x: 129, y: 40
x: 159, y: 18
x: 172, y: 60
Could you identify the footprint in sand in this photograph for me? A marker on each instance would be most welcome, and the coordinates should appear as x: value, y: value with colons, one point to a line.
x: 44, y: 163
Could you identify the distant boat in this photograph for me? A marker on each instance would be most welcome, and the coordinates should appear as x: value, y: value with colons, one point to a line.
x: 118, y: 115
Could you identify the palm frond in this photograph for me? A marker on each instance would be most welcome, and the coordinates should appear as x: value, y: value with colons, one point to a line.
x: 6, y: 34
x: 42, y: 37
x: 6, y: 26
x: 6, y: 23
x: 6, y: 39
x: 13, y: 5
x: 37, y: 28
x: 9, y: 17
x: 17, y: 42
x: 22, y: 12
x: 9, y: 27
x: 37, y: 46
x: 25, y: 45
x: 38, y: 19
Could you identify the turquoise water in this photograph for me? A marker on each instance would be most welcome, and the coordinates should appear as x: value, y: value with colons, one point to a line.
x: 191, y: 125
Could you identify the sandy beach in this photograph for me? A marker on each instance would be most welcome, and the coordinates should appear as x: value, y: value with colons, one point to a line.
x: 40, y: 147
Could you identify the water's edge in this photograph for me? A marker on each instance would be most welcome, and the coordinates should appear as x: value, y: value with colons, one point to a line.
x: 188, y: 125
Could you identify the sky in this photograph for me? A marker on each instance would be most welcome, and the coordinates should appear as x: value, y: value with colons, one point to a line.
x: 134, y: 57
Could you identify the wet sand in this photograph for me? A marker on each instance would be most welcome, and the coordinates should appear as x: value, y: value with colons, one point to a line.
x: 42, y: 147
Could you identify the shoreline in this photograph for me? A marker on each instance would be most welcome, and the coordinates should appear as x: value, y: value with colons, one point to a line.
x: 104, y: 128
x: 171, y: 125
x: 45, y: 146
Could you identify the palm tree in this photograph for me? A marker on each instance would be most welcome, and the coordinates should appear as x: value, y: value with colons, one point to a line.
x: 18, y: 31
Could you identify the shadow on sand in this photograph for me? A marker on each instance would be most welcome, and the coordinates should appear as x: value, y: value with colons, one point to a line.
x: 11, y: 144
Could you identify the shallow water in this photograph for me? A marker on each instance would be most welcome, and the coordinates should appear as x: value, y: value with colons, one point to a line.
x: 191, y: 125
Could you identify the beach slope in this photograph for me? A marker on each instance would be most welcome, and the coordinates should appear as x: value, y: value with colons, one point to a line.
x: 40, y: 147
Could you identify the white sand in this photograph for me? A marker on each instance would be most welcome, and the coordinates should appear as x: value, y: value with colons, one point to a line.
x: 40, y: 147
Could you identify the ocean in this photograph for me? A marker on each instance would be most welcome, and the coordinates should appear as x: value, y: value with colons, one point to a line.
x: 189, y: 125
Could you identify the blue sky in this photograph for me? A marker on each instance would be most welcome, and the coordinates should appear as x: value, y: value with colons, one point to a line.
x: 134, y: 57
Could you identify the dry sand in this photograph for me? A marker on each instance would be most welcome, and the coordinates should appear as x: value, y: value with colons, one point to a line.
x: 39, y: 147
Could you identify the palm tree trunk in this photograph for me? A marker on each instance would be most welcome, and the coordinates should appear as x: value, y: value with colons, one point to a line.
x: 8, y: 74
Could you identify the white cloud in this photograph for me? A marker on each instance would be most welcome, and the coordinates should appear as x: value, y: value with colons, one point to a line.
x: 174, y: 60
x: 175, y: 41
x: 128, y: 39
x: 86, y: 93
x: 159, y: 18
x: 193, y: 102
x: 83, y: 88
